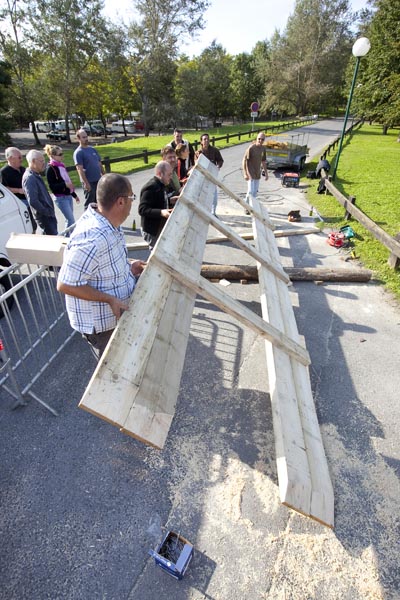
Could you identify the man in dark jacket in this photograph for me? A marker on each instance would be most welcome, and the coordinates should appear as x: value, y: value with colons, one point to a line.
x: 11, y: 177
x: 153, y: 206
x: 37, y: 195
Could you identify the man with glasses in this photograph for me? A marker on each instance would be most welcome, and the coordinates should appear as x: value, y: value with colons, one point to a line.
x: 254, y: 158
x: 11, y: 177
x: 88, y: 164
x: 96, y: 275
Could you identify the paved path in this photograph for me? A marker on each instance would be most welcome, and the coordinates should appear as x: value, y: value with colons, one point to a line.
x: 81, y: 503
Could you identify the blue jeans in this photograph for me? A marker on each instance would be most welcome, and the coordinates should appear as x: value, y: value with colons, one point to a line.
x: 252, y: 188
x: 65, y: 204
x: 215, y: 201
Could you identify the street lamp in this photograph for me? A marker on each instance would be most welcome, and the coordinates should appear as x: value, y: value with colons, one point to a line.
x: 361, y: 47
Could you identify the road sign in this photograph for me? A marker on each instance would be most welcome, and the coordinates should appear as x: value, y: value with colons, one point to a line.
x: 254, y: 115
x: 254, y: 106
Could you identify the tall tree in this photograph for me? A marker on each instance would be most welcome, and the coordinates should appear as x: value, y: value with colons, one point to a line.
x: 306, y: 66
x: 25, y: 63
x: 71, y: 34
x: 215, y: 66
x: 155, y: 44
x: 246, y: 86
x: 190, y: 94
x: 5, y: 83
x: 377, y: 94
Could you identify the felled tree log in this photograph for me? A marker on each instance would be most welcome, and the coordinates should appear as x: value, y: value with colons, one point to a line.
x: 249, y: 272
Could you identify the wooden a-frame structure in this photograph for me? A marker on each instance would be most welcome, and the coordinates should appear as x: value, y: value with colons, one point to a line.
x: 136, y: 383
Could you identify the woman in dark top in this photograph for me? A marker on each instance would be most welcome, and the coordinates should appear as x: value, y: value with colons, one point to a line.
x: 182, y: 153
x: 60, y: 184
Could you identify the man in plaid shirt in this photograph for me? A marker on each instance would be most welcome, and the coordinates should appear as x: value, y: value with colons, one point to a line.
x: 96, y: 275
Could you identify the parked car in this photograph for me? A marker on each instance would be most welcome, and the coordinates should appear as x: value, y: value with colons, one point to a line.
x: 130, y: 126
x: 56, y: 135
x: 14, y: 218
x: 93, y: 130
x: 97, y: 127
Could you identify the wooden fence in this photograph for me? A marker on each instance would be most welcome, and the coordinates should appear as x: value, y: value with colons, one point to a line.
x: 107, y: 161
x: 393, y: 244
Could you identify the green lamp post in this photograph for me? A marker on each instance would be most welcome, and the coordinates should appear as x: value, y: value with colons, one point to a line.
x: 361, y: 47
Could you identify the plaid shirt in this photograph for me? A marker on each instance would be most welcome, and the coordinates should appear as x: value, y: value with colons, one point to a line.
x: 96, y: 255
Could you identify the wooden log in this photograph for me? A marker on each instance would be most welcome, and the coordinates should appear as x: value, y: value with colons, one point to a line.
x: 250, y: 272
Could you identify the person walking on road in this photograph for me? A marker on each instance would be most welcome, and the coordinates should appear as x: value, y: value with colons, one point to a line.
x: 254, y: 158
x: 88, y: 164
x: 60, y: 183
x: 96, y: 275
x: 213, y: 155
x: 37, y: 195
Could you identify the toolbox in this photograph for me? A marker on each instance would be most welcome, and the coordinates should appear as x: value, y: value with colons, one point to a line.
x: 290, y: 179
x: 173, y: 555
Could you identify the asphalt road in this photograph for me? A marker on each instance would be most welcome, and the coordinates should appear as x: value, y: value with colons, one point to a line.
x: 82, y: 503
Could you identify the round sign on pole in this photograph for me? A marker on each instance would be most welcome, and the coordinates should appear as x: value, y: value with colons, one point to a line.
x: 254, y: 107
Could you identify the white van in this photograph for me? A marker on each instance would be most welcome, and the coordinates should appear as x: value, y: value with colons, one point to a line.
x: 60, y: 125
x: 118, y: 127
x: 14, y: 218
x: 42, y: 126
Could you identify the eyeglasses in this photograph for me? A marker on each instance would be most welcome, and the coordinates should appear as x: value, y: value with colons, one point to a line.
x: 132, y: 198
x: 61, y: 154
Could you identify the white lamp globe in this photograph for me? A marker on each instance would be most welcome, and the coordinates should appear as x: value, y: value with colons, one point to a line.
x: 361, y: 47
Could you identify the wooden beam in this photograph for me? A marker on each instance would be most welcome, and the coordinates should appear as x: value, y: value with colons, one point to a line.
x: 304, y: 481
x: 245, y: 236
x: 256, y: 213
x: 275, y: 268
x: 136, y: 383
x: 232, y: 307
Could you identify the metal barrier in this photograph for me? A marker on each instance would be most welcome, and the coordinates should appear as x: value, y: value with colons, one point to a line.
x: 34, y: 329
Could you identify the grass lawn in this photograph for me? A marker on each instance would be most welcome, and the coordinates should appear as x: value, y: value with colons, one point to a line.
x: 369, y: 170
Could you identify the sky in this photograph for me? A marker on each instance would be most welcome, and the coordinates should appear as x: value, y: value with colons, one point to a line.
x: 236, y: 24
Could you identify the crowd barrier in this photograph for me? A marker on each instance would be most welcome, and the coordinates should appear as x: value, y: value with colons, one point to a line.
x: 34, y: 329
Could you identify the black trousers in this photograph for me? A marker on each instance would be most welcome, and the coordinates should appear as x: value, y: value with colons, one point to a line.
x: 98, y: 342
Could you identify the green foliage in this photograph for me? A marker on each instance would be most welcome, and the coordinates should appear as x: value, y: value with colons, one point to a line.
x: 306, y: 64
x: 378, y: 92
x: 5, y: 83
x: 70, y: 34
x: 369, y: 171
x: 154, y: 40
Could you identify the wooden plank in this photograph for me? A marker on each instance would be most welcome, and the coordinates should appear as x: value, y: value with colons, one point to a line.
x: 304, y: 480
x: 243, y: 235
x: 136, y: 383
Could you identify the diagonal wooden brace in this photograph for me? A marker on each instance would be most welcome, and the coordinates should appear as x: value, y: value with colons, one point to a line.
x: 212, y: 293
x: 275, y: 267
